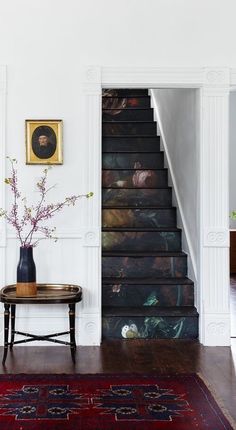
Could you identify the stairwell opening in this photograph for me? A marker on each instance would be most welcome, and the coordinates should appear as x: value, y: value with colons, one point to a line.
x: 146, y: 292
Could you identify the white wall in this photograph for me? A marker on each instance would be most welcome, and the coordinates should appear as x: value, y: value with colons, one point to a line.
x: 45, y: 46
x: 177, y: 111
x: 232, y: 156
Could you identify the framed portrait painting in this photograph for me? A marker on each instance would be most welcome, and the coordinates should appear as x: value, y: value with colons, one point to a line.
x: 43, y: 141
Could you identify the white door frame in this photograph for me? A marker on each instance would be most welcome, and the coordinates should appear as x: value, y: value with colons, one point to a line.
x: 213, y: 272
x: 2, y: 171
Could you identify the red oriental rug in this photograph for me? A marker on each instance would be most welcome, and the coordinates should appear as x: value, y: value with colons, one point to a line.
x: 108, y: 402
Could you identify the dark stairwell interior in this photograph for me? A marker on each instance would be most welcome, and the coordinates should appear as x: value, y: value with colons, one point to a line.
x: 145, y: 289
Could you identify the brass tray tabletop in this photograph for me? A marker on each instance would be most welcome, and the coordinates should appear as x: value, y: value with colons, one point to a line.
x: 46, y: 294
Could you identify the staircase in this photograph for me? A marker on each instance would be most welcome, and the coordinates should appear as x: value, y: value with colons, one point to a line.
x: 145, y: 291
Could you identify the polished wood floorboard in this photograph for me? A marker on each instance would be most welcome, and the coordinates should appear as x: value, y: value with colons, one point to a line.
x: 217, y: 365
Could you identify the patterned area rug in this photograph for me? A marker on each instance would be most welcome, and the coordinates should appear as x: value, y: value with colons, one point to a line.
x: 108, y: 402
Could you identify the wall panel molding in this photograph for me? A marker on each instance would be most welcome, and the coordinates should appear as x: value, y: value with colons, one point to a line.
x: 2, y: 150
x: 152, y: 77
x: 88, y: 236
x: 216, y: 77
x: 3, y: 72
x: 215, y: 237
x: 214, y: 208
x: 90, y: 317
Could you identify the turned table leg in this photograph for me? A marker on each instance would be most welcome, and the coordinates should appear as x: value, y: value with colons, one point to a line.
x: 6, y: 330
x: 72, y: 330
x: 13, y: 316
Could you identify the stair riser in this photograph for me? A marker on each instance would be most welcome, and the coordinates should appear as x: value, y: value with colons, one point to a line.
x: 142, y: 241
x: 132, y: 144
x: 118, y: 160
x: 131, y: 128
x: 135, y: 178
x: 147, y: 295
x: 151, y: 327
x: 137, y: 197
x: 123, y: 92
x: 126, y: 102
x: 140, y: 267
x: 127, y: 115
x: 139, y: 218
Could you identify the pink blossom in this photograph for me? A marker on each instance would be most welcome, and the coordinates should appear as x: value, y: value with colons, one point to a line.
x: 143, y: 178
x: 27, y: 220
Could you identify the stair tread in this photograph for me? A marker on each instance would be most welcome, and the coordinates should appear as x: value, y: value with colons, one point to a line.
x: 143, y: 311
x: 129, y: 122
x: 132, y: 152
x: 140, y: 91
x: 126, y: 96
x: 110, y: 187
x: 138, y: 96
x: 131, y: 170
x: 141, y: 229
x: 148, y: 136
x: 125, y: 109
x: 140, y: 208
x: 147, y: 281
x: 157, y: 137
x: 140, y: 188
x: 143, y: 254
x: 129, y: 135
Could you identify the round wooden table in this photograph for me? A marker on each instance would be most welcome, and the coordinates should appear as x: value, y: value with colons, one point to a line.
x: 46, y: 294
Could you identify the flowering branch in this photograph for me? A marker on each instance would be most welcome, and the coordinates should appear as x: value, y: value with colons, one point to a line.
x: 33, y: 216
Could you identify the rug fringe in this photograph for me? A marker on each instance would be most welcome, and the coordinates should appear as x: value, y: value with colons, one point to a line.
x: 219, y: 401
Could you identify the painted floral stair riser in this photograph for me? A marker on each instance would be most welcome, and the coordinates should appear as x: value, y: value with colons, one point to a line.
x: 122, y: 294
x: 137, y: 197
x: 144, y: 241
x: 141, y: 267
x: 131, y: 144
x: 127, y: 102
x: 128, y: 115
x: 146, y: 218
x: 135, y: 178
x: 132, y: 128
x: 135, y: 161
x: 150, y: 327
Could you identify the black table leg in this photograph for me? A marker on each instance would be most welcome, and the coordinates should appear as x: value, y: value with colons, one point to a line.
x: 6, y: 330
x: 13, y: 316
x: 72, y: 330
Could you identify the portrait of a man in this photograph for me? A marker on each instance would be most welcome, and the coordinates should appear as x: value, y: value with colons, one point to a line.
x: 43, y: 141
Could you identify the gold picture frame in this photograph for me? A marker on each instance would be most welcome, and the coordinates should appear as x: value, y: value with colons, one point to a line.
x: 43, y: 141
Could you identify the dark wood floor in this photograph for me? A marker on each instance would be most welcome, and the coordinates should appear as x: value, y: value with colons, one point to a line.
x: 216, y: 364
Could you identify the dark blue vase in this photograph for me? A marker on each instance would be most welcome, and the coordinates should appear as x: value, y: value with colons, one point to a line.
x: 26, y: 270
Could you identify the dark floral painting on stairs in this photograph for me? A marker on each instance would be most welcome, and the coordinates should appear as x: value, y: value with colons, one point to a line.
x: 146, y: 292
x: 139, y: 218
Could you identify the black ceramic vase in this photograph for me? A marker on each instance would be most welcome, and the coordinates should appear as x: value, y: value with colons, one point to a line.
x: 26, y: 274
